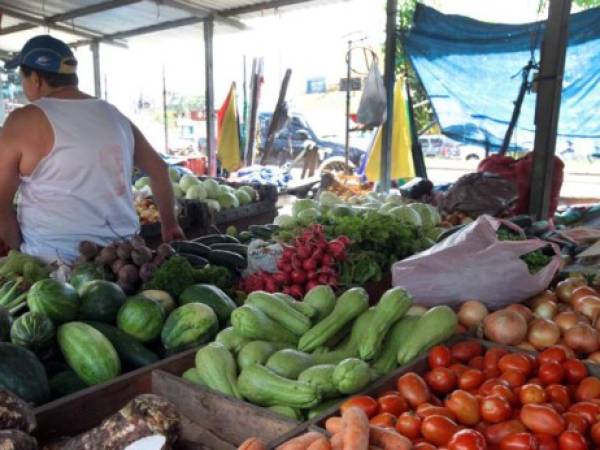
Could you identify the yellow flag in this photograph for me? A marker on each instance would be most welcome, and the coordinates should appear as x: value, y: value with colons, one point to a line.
x: 402, y: 161
x: 228, y: 145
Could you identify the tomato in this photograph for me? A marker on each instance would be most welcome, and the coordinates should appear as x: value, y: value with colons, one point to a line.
x: 425, y: 409
x: 572, y: 440
x: 495, y: 409
x: 471, y: 379
x: 588, y: 389
x: 409, y: 424
x: 486, y: 388
x: 575, y: 371
x: 519, y: 441
x: 368, y: 404
x: 556, y: 393
x: 439, y: 356
x: 542, y: 419
x: 414, y: 389
x: 393, y: 404
x: 424, y: 446
x: 589, y: 410
x: 517, y: 362
x: 503, y: 391
x: 576, y: 422
x: 546, y: 442
x: 441, y: 380
x: 385, y: 419
x: 476, y: 363
x: 438, y: 429
x: 466, y: 350
x: 595, y: 433
x: 465, y: 406
x: 467, y: 440
x: 553, y: 354
x: 532, y: 393
x: 458, y: 369
x: 551, y: 373
x: 513, y: 378
x: 492, y: 356
x: 495, y: 433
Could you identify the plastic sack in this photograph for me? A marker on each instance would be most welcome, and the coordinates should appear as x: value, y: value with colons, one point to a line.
x: 474, y: 264
x: 263, y: 257
x: 373, y: 103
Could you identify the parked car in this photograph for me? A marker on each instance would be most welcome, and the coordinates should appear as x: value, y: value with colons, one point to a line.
x: 470, y: 152
x: 289, y: 142
x: 437, y: 145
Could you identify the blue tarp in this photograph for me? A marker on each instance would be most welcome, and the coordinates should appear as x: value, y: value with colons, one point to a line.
x: 471, y: 71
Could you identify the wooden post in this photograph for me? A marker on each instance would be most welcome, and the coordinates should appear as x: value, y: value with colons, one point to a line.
x: 390, y: 82
x: 95, y: 48
x: 550, y: 80
x: 211, y: 145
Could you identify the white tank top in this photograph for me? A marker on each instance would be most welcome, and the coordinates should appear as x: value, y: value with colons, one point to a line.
x: 82, y: 189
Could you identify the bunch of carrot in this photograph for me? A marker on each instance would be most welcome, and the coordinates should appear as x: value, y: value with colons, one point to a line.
x: 349, y: 432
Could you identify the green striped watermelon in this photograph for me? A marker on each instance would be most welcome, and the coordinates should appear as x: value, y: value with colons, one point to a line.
x: 57, y: 300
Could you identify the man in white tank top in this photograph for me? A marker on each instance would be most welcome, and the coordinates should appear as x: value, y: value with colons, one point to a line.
x: 71, y: 157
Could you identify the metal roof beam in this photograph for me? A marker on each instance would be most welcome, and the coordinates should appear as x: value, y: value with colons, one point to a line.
x: 273, y: 4
x: 91, y: 9
x: 16, y: 28
x: 203, y: 13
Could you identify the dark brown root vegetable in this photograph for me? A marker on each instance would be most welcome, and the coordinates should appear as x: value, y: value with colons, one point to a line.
x: 106, y: 256
x: 147, y: 271
x: 15, y: 413
x: 16, y: 440
x: 128, y: 274
x: 158, y: 260
x: 117, y: 265
x: 124, y: 250
x: 88, y: 250
x: 165, y: 250
x: 146, y: 415
x: 128, y: 289
x: 141, y: 256
x: 137, y: 242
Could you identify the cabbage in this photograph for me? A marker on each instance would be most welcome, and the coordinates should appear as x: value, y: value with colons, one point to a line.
x: 213, y: 205
x: 227, y: 200
x: 173, y: 174
x: 307, y: 217
x: 405, y: 214
x: 302, y: 204
x: 430, y: 217
x: 196, y: 192
x: 142, y: 183
x: 243, y: 197
x: 225, y: 188
x: 285, y: 221
x: 187, y: 181
x: 179, y: 193
x: 341, y: 211
x: 253, y: 193
x: 211, y: 187
x: 328, y: 199
x: 395, y: 198
x: 372, y: 205
x: 386, y: 207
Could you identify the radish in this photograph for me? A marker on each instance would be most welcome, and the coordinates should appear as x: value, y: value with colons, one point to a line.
x: 311, y: 284
x: 312, y: 275
x: 298, y: 277
x: 296, y: 291
x: 309, y: 264
x: 303, y: 251
x: 327, y: 260
x: 323, y: 279
x: 281, y: 277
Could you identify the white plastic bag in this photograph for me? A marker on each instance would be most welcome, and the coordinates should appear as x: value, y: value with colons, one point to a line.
x: 473, y: 264
x: 263, y: 257
x: 373, y: 103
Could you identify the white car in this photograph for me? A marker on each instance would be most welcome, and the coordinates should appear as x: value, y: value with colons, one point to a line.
x: 469, y: 152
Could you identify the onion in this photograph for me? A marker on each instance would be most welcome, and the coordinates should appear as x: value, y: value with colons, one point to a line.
x: 589, y: 306
x: 546, y: 309
x: 581, y: 291
x: 523, y: 310
x: 565, y: 288
x: 566, y: 320
x: 505, y: 327
x: 526, y: 346
x: 562, y: 307
x: 542, y: 298
x: 582, y: 338
x: 568, y: 350
x: 594, y: 358
x: 543, y: 333
x: 472, y: 313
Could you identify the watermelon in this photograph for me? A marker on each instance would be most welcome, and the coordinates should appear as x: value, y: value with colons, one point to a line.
x: 253, y: 193
x: 22, y: 373
x: 163, y: 298
x: 88, y: 352
x: 57, y: 300
x: 65, y: 383
x: 212, y: 296
x: 101, y: 300
x: 141, y: 318
x: 5, y: 322
x: 84, y: 273
x: 32, y: 330
x: 189, y: 325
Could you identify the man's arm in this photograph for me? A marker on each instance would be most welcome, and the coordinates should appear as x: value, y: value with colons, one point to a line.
x: 149, y: 161
x: 10, y: 156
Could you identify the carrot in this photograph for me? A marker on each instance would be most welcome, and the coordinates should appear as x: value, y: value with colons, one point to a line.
x: 388, y: 439
x: 334, y: 425
x: 253, y: 444
x: 356, y: 429
x: 337, y: 441
x: 300, y: 442
x: 320, y: 444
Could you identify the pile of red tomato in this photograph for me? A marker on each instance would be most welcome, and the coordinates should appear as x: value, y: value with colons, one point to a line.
x: 473, y: 399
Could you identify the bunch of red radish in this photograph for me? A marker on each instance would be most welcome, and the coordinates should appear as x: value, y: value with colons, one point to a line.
x: 309, y: 261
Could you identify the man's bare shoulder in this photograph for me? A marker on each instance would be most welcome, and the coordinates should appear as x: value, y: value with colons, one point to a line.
x: 22, y: 119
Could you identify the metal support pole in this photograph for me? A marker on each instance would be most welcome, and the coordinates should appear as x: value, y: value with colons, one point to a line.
x: 390, y: 81
x: 211, y: 147
x: 416, y: 149
x: 348, y: 99
x: 95, y: 48
x: 547, y: 110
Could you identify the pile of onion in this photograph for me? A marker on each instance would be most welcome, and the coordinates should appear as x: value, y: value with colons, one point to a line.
x: 506, y: 327
x: 472, y: 313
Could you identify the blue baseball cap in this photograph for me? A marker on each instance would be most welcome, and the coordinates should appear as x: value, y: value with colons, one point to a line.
x: 46, y: 53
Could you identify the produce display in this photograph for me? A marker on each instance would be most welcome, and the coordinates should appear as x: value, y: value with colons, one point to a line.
x: 17, y: 422
x: 296, y: 357
x: 17, y: 274
x: 147, y: 211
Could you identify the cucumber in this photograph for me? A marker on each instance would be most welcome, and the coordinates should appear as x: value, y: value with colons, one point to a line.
x: 210, y: 239
x: 261, y: 231
x: 131, y: 353
x: 245, y: 237
x: 240, y: 249
x: 191, y: 248
x: 196, y: 261
x: 227, y: 259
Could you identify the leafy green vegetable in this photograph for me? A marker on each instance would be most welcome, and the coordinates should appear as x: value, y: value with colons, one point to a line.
x: 20, y: 265
x: 535, y: 260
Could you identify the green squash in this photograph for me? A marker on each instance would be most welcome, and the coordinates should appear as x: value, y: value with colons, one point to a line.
x: 33, y: 330
x: 57, y: 300
x: 22, y: 373
x: 141, y: 318
x: 101, y: 300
